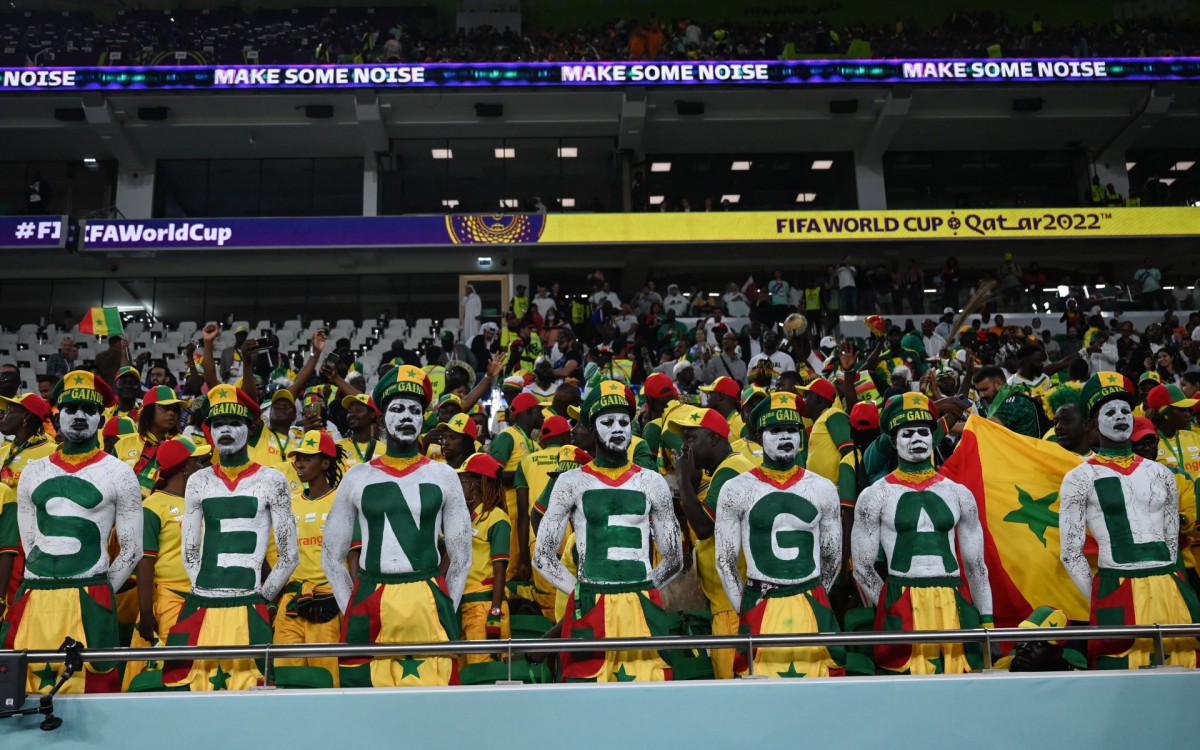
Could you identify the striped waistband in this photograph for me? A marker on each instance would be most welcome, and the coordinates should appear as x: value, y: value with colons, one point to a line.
x: 391, y: 578
x: 1158, y: 570
x: 596, y: 587
x: 49, y: 584
x: 944, y: 582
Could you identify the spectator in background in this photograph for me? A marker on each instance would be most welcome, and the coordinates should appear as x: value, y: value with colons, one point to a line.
x: 674, y: 301
x: 1009, y: 281
x: 934, y: 342
x: 606, y: 293
x: 881, y: 285
x: 40, y: 195
x: 10, y: 379
x: 626, y: 322
x: 778, y: 289
x: 951, y: 277
x: 1035, y: 280
x: 112, y: 359
x: 1150, y: 279
x: 671, y: 332
x: 847, y: 279
x: 643, y: 300
x: 750, y: 343
x: 726, y: 362
x: 1050, y: 344
x: 543, y: 303
x: 483, y: 344
x: 736, y: 304
x: 914, y: 287
x: 63, y: 360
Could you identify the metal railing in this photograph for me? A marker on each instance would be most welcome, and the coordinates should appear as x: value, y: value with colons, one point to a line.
x: 511, y: 647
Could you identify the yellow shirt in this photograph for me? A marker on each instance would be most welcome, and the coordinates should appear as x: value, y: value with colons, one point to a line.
x: 359, y: 453
x: 162, y: 538
x: 310, y: 533
x: 1187, y: 521
x: 1181, y: 452
x: 10, y: 537
x: 706, y: 549
x: 534, y: 471
x: 14, y: 460
x: 736, y: 425
x: 570, y: 563
x: 750, y: 450
x: 129, y: 449
x: 826, y: 440
x: 490, y: 536
x: 272, y: 447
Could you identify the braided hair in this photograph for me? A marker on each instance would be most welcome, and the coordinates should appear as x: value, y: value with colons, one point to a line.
x: 333, y: 474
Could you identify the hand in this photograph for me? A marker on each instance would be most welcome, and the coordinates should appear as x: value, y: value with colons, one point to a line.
x: 848, y: 355
x: 190, y: 349
x: 1148, y: 364
x: 327, y: 371
x: 142, y: 359
x: 495, y: 366
x: 249, y: 345
x: 685, y: 465
x: 211, y: 332
x: 318, y: 340
x: 148, y: 627
x: 523, y: 572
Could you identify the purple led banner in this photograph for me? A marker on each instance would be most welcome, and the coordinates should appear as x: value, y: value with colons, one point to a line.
x: 19, y: 232
x: 690, y: 73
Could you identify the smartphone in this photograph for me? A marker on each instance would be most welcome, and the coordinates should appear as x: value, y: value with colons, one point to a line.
x: 333, y: 359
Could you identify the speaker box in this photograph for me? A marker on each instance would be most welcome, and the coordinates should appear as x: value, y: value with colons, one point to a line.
x: 843, y: 106
x: 1027, y: 105
x: 489, y: 110
x: 689, y: 108
x: 318, y: 111
x: 153, y: 114
x: 69, y: 114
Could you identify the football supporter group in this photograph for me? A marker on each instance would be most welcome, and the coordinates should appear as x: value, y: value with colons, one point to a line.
x: 582, y: 468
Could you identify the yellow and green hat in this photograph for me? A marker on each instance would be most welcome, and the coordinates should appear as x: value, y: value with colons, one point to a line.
x: 686, y: 417
x: 1101, y: 387
x: 781, y: 407
x: 226, y: 401
x: 571, y: 457
x: 905, y: 408
x: 609, y: 394
x: 82, y: 387
x: 1050, y: 617
x: 751, y: 393
x: 404, y: 380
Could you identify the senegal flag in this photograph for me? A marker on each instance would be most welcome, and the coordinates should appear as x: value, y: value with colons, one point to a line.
x: 1016, y: 480
x: 102, y: 321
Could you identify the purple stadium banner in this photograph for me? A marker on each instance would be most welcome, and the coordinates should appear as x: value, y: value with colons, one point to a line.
x: 323, y: 233
x: 22, y: 232
x: 687, y: 73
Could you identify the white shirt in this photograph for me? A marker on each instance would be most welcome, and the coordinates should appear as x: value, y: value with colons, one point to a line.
x: 736, y: 305
x: 846, y: 274
x: 934, y: 345
x: 676, y: 302
x: 544, y: 305
x: 599, y: 297
x: 780, y: 362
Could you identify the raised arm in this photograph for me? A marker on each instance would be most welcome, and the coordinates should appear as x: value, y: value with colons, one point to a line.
x: 279, y: 506
x: 727, y: 539
x: 550, y: 537
x: 970, y: 545
x: 664, y: 529
x: 128, y: 524
x: 1072, y: 527
x: 335, y: 546
x: 192, y: 527
x: 830, y: 525
x: 456, y: 530
x: 209, y: 363
x: 310, y: 364
x: 864, y: 544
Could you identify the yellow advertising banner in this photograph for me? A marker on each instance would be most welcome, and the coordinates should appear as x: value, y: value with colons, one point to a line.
x: 824, y: 226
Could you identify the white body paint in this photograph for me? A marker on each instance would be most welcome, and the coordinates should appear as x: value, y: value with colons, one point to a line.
x: 1115, y: 420
x: 875, y: 523
x: 121, y: 508
x: 1151, y: 506
x: 453, y: 525
x: 270, y: 488
x: 403, y: 420
x: 732, y: 531
x: 614, y: 430
x: 658, y: 524
x: 781, y: 443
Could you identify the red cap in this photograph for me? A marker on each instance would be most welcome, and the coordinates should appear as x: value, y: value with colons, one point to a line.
x: 1142, y: 427
x: 555, y: 426
x: 481, y: 464
x: 161, y: 394
x: 523, y: 402
x: 1161, y: 396
x: 658, y: 385
x: 176, y: 451
x: 864, y: 416
x: 822, y: 388
x: 30, y: 402
x: 726, y: 386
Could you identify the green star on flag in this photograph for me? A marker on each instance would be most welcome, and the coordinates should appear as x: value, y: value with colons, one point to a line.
x: 411, y: 667
x: 220, y: 681
x: 310, y: 441
x: 623, y: 676
x: 1036, y: 514
x: 695, y: 416
x: 47, y: 675
x: 791, y: 671
x: 78, y: 379
x: 101, y: 321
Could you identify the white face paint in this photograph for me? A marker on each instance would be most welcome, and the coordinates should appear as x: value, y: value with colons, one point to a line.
x: 403, y: 420
x: 614, y: 430
x: 1115, y: 420
x: 781, y: 442
x: 230, y: 435
x: 914, y: 444
x: 79, y: 422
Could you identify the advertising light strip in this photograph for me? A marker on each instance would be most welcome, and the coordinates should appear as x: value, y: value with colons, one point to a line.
x: 690, y: 73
